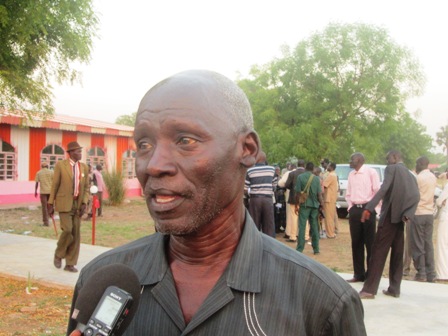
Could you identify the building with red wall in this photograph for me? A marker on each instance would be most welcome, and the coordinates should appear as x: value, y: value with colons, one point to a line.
x: 26, y: 143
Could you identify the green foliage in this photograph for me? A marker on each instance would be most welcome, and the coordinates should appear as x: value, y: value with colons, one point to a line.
x: 339, y: 91
x: 39, y: 40
x: 437, y: 158
x: 126, y: 119
x: 116, y: 187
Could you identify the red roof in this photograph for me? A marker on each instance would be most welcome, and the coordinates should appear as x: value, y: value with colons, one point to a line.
x: 67, y: 123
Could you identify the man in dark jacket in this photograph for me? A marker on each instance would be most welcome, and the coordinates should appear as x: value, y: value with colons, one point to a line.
x: 400, y: 196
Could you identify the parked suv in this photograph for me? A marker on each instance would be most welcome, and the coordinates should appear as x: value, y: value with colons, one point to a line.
x: 342, y: 171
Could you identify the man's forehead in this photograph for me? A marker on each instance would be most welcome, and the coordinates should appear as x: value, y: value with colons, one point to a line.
x: 180, y: 96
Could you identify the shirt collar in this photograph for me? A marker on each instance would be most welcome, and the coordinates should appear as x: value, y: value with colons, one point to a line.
x: 360, y: 170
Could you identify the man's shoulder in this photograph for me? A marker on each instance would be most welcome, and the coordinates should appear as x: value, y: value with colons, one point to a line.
x: 426, y: 177
x: 134, y: 254
x: 46, y: 172
x: 296, y: 172
x: 332, y: 175
x: 61, y: 163
x: 304, y: 175
x: 282, y: 257
x: 261, y: 170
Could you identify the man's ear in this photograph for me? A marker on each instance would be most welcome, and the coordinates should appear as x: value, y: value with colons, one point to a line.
x: 251, y: 146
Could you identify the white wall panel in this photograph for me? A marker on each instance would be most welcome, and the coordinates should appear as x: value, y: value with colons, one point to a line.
x: 54, y: 137
x: 20, y: 139
x: 84, y: 139
x: 110, y: 144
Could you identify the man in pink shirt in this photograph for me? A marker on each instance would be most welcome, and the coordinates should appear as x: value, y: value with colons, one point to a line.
x: 363, y: 183
x: 422, y: 225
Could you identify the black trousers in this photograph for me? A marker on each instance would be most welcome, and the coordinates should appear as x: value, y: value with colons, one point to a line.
x: 390, y: 236
x: 362, y: 235
x: 262, y: 212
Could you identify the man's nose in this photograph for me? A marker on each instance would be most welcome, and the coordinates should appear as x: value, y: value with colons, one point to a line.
x: 161, y: 161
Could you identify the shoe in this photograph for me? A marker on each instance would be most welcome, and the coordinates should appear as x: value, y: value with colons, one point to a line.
x: 316, y: 253
x: 45, y: 224
x: 431, y: 280
x: 386, y: 292
x: 353, y: 280
x: 70, y: 268
x: 405, y: 273
x: 292, y: 240
x: 309, y: 243
x: 57, y: 262
x: 419, y: 279
x: 334, y: 237
x: 366, y: 296
x: 286, y: 236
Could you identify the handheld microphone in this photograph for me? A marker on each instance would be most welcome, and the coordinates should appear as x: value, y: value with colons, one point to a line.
x: 107, y: 303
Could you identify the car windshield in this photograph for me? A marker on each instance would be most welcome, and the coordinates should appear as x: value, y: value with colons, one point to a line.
x: 342, y: 172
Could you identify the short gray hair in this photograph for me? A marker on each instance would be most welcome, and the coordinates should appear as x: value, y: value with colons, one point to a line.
x: 234, y: 104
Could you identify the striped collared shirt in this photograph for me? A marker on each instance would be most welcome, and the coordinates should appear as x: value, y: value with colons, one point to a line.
x: 248, y: 299
x: 261, y: 179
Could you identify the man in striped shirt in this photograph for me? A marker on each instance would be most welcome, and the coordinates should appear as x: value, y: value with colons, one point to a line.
x: 261, y: 182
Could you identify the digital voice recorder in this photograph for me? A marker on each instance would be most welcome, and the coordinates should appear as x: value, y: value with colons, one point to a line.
x: 109, y: 313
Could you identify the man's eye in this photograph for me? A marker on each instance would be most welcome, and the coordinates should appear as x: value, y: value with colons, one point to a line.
x: 186, y: 141
x: 144, y: 145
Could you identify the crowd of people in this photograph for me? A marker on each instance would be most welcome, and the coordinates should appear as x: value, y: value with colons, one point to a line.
x: 302, y: 203
x: 274, y: 201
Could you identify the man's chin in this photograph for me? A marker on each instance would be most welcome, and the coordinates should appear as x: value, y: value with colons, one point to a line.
x: 175, y: 229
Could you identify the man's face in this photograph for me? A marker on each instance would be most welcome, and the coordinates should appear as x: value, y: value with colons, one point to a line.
x: 391, y: 159
x: 188, y: 158
x: 75, y: 154
x: 355, y: 162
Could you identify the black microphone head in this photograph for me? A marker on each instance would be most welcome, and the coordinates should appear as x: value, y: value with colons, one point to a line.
x: 89, y: 296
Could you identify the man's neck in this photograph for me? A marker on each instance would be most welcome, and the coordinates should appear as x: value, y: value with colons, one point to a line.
x: 198, y: 261
x: 213, y: 243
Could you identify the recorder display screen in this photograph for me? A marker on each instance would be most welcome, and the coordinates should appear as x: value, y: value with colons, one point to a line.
x: 108, y: 310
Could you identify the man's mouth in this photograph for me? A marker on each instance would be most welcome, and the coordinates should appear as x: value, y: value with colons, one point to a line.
x: 162, y: 199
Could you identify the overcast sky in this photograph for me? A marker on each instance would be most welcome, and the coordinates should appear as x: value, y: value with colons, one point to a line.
x: 142, y: 42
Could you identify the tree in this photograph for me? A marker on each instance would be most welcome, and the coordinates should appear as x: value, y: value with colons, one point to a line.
x: 126, y: 119
x: 40, y: 39
x: 334, y: 94
x: 442, y: 139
